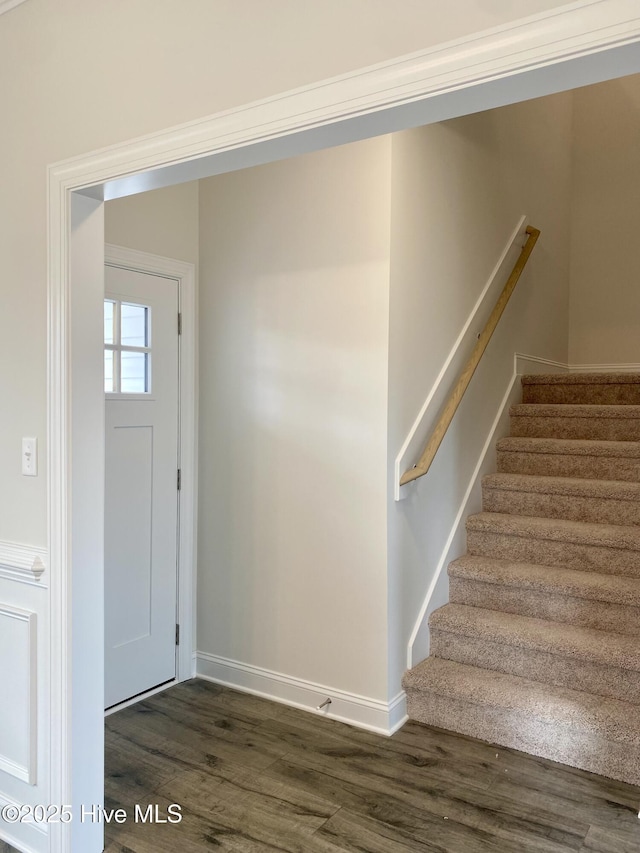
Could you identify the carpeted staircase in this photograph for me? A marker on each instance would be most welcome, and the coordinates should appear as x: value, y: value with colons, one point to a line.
x: 539, y: 648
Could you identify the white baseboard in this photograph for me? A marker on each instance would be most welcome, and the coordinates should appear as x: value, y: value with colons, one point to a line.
x: 372, y: 714
x: 604, y: 368
x: 531, y: 364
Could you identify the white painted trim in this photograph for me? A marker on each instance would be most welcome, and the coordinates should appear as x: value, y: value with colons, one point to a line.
x: 398, y: 712
x: 8, y: 5
x: 534, y: 364
x: 604, y: 368
x: 372, y: 714
x: 185, y: 274
x: 580, y: 43
x: 26, y: 772
x: 24, y: 563
x: 550, y: 38
x: 510, y: 396
x: 456, y: 359
x: 530, y: 364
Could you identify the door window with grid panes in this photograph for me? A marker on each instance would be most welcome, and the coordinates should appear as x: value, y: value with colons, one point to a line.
x: 127, y: 347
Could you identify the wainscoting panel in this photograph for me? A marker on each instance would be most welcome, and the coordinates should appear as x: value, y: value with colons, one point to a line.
x: 18, y: 717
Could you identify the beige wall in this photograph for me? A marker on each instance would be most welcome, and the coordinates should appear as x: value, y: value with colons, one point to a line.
x: 605, y: 264
x: 293, y: 413
x: 296, y: 346
x: 163, y: 222
x: 458, y: 190
x: 82, y: 74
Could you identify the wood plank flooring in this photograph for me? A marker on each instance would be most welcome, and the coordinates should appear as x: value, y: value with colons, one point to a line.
x: 252, y: 775
x: 256, y: 776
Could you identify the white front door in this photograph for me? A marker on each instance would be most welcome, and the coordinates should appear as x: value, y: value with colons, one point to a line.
x: 141, y: 489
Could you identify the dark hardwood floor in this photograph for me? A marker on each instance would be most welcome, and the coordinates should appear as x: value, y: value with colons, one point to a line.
x: 252, y: 775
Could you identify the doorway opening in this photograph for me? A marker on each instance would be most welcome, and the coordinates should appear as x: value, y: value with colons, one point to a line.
x: 76, y: 358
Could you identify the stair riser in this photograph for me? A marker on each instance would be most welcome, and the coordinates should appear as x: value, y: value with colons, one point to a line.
x: 545, y: 552
x: 596, y: 429
x: 581, y: 612
x: 595, y: 395
x: 557, y: 669
x: 570, y: 507
x: 560, y: 465
x: 528, y: 733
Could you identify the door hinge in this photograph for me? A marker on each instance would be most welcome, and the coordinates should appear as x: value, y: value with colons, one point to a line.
x: 180, y: 323
x: 179, y: 479
x: 177, y: 635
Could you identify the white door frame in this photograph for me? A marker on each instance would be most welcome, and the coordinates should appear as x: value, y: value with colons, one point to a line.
x: 582, y: 43
x: 185, y: 274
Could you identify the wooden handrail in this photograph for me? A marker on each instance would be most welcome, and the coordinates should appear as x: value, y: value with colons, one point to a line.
x: 456, y: 395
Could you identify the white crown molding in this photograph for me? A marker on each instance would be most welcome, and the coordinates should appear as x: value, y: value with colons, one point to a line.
x: 371, y: 714
x: 546, y: 39
x: 24, y: 563
x: 8, y: 5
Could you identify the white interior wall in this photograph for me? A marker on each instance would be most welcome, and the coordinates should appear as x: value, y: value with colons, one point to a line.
x: 83, y: 74
x: 459, y: 189
x: 605, y: 268
x: 162, y: 222
x: 293, y: 408
x: 271, y: 243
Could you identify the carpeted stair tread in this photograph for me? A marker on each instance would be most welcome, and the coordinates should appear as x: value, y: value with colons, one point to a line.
x: 611, y: 719
x: 591, y: 388
x: 592, y: 500
x: 617, y: 536
x: 568, y: 446
x: 575, y: 410
x: 538, y: 648
x: 614, y: 589
x: 620, y: 490
x: 603, y: 422
x: 556, y: 638
x: 581, y: 379
x: 570, y: 457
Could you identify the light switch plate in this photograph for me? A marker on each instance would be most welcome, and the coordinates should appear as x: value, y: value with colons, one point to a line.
x: 30, y: 457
